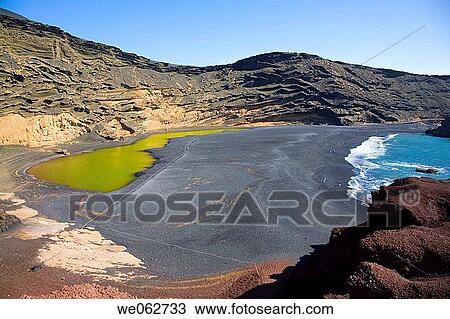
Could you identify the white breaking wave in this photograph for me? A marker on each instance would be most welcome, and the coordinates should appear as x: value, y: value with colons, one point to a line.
x: 412, y: 165
x: 361, y: 157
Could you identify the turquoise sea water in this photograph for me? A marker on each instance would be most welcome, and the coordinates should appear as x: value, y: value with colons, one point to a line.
x: 381, y: 159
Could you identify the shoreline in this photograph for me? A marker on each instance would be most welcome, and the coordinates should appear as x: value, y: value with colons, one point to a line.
x: 164, y: 155
x: 17, y: 280
x: 91, y: 141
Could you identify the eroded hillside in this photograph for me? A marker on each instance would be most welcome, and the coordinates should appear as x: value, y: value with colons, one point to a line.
x: 61, y: 87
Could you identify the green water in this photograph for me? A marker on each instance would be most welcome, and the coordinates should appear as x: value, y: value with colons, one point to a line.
x: 107, y: 169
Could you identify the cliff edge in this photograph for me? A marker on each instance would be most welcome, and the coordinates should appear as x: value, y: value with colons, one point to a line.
x: 408, y: 258
x: 443, y: 130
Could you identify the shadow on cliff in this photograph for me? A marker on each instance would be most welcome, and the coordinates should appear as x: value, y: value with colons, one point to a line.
x: 279, y: 288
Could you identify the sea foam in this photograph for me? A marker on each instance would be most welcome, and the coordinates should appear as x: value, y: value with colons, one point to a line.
x: 361, y: 157
x: 380, y: 160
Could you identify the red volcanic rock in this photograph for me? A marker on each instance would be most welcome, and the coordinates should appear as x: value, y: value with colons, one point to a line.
x: 413, y: 250
x: 417, y: 201
x: 372, y: 280
x: 84, y: 291
x: 407, y: 259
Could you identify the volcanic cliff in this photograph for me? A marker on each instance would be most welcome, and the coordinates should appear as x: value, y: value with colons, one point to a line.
x: 56, y: 87
x: 403, y: 251
x: 441, y: 131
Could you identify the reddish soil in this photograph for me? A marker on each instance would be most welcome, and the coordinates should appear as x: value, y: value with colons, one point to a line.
x: 92, y: 291
x: 372, y: 280
x: 413, y: 201
x: 21, y: 277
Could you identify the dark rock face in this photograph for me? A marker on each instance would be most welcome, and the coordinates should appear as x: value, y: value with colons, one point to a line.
x: 427, y: 170
x: 411, y: 260
x: 44, y: 70
x: 443, y: 130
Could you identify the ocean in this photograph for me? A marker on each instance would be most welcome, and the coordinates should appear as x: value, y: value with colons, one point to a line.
x: 382, y: 159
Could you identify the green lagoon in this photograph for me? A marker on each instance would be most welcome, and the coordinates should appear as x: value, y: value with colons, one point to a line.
x: 107, y: 169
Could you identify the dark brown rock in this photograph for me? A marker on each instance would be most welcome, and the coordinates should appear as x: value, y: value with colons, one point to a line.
x: 426, y: 170
x: 443, y: 130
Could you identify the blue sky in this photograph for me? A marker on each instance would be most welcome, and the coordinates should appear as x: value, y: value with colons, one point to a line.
x: 206, y: 32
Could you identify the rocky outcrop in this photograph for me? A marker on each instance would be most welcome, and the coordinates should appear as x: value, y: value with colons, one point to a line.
x: 407, y: 258
x: 40, y: 130
x: 427, y: 170
x: 443, y: 130
x: 46, y: 71
x: 411, y: 201
x: 7, y: 221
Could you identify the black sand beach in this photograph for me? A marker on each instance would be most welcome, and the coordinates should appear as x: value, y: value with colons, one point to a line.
x: 260, y: 160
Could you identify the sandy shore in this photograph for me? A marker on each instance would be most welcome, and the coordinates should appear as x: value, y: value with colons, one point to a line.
x: 178, y: 260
